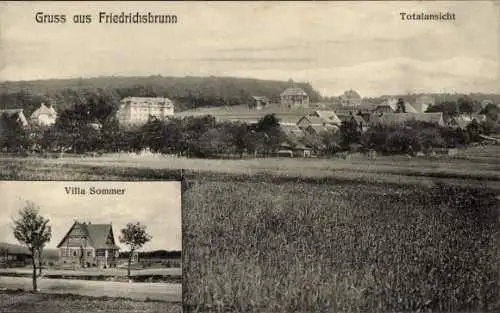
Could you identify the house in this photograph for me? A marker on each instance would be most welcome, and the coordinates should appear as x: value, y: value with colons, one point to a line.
x: 294, y: 97
x: 14, y: 255
x: 480, y: 118
x: 44, y: 115
x: 316, y: 130
x: 307, y: 120
x: 405, y: 107
x: 87, y: 244
x: 137, y: 110
x: 457, y: 122
x: 462, y: 121
x: 423, y: 102
x: 350, y: 98
x: 396, y: 119
x: 258, y: 103
x: 383, y: 108
x: 329, y: 117
x: 17, y: 114
x: 295, y: 141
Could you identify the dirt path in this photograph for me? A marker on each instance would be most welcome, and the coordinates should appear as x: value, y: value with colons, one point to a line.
x: 136, y: 291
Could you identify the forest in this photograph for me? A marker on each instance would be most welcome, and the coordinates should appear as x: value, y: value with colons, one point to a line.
x: 186, y: 92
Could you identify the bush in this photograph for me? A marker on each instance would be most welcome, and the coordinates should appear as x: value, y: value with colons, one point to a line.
x: 403, y: 140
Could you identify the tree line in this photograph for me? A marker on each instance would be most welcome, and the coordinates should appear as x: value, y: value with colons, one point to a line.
x: 186, y: 92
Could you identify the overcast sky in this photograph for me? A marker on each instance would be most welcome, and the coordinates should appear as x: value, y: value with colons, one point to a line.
x: 333, y: 45
x: 155, y: 204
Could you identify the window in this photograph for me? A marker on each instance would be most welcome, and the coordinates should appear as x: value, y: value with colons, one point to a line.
x: 74, y: 253
x: 89, y: 253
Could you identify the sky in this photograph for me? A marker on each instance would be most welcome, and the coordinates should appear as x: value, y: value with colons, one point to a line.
x: 335, y: 46
x: 154, y: 204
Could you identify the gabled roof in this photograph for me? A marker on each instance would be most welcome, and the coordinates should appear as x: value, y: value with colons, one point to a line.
x: 318, y: 129
x: 409, y: 108
x: 97, y: 235
x: 12, y: 112
x: 313, y: 120
x: 328, y: 116
x: 293, y: 91
x: 400, y: 118
x: 43, y: 109
x: 260, y: 98
x: 459, y: 121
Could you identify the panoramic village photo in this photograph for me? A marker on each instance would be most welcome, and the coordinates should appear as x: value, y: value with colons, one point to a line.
x: 76, y: 243
x: 333, y: 157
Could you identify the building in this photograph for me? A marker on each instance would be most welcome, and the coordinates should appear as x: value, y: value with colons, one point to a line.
x: 423, y: 102
x: 307, y: 120
x: 328, y: 117
x: 17, y: 114
x: 350, y: 98
x: 294, y: 97
x: 14, y: 255
x: 397, y: 119
x: 44, y: 116
x: 88, y: 245
x: 137, y: 110
x: 258, y: 103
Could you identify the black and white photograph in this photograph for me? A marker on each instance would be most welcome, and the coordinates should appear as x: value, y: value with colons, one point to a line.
x: 90, y: 246
x: 333, y: 156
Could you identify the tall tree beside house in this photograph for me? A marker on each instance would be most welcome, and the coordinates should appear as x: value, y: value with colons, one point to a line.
x: 349, y: 133
x: 134, y: 236
x: 34, y: 231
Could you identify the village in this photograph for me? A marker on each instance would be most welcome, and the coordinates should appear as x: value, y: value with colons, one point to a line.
x: 344, y: 124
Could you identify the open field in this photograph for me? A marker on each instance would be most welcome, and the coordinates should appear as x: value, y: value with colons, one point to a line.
x: 478, y: 164
x: 136, y: 291
x: 26, y: 302
x: 339, y: 247
x: 96, y: 272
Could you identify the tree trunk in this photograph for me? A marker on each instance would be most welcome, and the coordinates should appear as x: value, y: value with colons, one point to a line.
x: 40, y: 262
x: 35, y: 289
x: 129, y: 263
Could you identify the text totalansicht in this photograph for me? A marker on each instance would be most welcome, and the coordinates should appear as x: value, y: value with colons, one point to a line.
x: 440, y: 16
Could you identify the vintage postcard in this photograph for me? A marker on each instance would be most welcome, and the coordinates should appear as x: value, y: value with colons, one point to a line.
x: 334, y: 156
x: 75, y: 241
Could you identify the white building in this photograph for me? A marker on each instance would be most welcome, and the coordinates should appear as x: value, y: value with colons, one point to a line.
x: 44, y: 116
x: 137, y: 110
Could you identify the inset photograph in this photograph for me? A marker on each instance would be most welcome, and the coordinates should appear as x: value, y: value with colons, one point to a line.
x: 90, y: 246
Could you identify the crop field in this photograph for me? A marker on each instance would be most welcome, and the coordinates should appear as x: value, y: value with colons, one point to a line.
x: 26, y: 302
x: 327, y: 247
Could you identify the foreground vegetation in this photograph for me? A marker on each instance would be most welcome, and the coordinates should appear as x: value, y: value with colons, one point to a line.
x: 304, y: 247
x: 26, y: 302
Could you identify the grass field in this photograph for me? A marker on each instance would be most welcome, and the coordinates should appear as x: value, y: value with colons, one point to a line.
x: 25, y: 302
x: 477, y: 164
